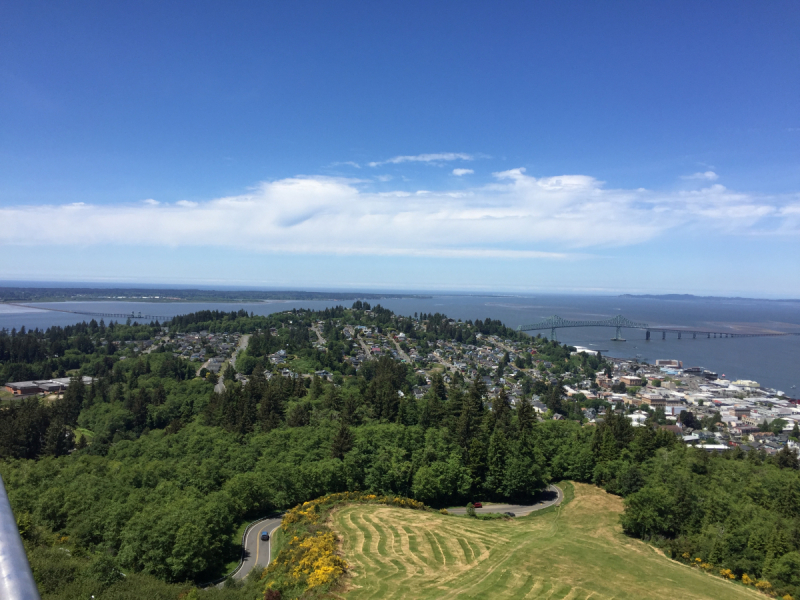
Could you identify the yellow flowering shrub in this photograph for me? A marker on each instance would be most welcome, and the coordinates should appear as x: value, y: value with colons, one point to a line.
x: 309, y: 563
x: 319, y: 564
x: 727, y: 574
x: 747, y: 580
x: 763, y: 585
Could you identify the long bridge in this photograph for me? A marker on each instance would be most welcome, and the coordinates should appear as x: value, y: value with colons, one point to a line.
x: 130, y: 315
x: 618, y: 322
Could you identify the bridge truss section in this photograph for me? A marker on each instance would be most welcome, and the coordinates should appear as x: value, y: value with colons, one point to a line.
x: 556, y: 322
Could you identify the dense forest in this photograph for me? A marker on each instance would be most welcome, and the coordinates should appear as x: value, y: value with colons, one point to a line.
x: 150, y: 473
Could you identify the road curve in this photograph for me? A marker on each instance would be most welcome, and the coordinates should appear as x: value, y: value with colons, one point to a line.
x: 257, y: 553
x: 552, y: 496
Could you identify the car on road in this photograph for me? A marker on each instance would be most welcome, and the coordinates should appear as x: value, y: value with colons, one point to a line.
x: 477, y: 505
x: 509, y: 514
x: 264, y: 536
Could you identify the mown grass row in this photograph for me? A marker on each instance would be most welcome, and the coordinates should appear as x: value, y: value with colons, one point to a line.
x: 307, y: 563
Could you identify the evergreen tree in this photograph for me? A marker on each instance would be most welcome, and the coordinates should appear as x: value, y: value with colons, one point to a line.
x: 58, y: 440
x: 271, y: 409
x: 438, y: 387
x: 332, y: 398
x: 501, y: 408
x: 496, y: 463
x: 469, y: 421
x: 316, y: 389
x: 349, y: 410
x: 787, y: 459
x: 525, y: 415
x: 342, y: 442
x: 553, y: 400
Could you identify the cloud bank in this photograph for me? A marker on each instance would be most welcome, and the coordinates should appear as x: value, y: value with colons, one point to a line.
x: 705, y: 176
x: 516, y: 215
x: 426, y: 158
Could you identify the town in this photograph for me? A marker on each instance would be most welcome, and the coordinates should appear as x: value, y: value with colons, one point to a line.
x: 706, y: 412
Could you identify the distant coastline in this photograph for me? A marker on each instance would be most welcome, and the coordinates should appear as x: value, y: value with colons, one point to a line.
x: 86, y: 294
x: 711, y: 298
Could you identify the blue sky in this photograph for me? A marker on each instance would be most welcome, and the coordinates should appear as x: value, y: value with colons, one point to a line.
x: 564, y: 146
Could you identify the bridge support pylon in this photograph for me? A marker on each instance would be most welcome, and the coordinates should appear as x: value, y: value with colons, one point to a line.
x: 679, y: 335
x: 647, y: 336
x: 618, y: 336
x: 663, y: 335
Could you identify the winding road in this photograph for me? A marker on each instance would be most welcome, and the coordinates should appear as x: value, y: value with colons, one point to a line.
x: 552, y: 496
x: 257, y: 553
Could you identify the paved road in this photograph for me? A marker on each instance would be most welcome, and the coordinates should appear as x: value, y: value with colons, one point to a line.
x: 256, y: 552
x: 219, y: 387
x: 322, y: 340
x: 366, y: 349
x: 550, y: 497
x: 401, y: 353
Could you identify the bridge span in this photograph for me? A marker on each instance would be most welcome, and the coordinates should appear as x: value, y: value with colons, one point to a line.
x: 130, y: 315
x: 618, y: 322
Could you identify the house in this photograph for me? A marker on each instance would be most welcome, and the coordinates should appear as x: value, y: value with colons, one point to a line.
x: 676, y: 429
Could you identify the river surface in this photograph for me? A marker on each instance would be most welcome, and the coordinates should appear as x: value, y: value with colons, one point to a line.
x: 772, y: 361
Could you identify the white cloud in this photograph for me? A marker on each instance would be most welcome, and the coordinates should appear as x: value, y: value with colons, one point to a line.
x: 517, y: 215
x: 348, y: 163
x: 384, y: 178
x: 151, y: 202
x: 460, y: 172
x: 428, y: 158
x: 705, y: 176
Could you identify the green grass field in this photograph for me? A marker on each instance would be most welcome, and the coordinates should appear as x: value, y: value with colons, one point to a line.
x: 574, y: 552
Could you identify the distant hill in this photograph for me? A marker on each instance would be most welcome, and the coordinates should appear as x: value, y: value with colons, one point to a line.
x: 710, y: 298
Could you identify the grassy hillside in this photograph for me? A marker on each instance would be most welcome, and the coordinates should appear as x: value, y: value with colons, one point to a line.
x: 575, y: 551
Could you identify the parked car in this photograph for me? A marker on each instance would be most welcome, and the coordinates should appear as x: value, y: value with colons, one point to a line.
x: 510, y: 514
x: 477, y: 505
x: 264, y: 536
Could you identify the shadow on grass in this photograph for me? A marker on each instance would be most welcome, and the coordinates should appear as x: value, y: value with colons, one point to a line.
x: 569, y: 494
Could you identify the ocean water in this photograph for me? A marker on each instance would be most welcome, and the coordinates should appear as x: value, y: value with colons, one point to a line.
x: 772, y: 361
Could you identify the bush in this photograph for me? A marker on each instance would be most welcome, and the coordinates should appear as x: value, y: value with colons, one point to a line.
x: 309, y: 565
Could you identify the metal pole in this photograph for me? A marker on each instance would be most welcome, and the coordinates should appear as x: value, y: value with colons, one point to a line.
x: 16, y: 579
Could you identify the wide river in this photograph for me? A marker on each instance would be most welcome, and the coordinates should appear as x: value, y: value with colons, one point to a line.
x: 772, y: 361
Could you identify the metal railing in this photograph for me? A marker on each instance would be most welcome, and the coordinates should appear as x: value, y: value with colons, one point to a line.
x: 16, y: 579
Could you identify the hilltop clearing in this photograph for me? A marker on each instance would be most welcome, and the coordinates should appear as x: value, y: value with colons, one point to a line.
x: 576, y: 551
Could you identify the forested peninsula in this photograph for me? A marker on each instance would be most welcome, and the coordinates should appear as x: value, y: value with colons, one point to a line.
x: 144, y: 294
x: 139, y: 484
